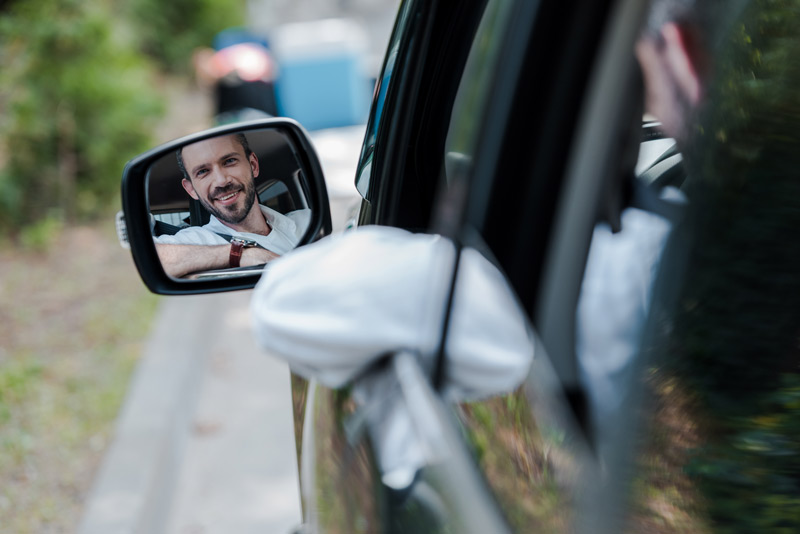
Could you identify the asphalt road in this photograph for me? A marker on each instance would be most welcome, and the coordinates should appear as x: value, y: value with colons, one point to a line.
x: 204, y: 443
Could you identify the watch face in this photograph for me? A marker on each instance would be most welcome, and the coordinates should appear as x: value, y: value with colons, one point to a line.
x: 243, y: 242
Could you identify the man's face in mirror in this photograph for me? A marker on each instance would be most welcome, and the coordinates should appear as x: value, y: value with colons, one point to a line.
x: 221, y: 176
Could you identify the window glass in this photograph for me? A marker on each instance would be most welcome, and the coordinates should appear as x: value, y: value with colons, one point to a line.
x: 530, y: 467
x: 381, y: 88
x: 720, y: 418
x: 175, y: 219
x: 722, y: 443
x: 471, y: 99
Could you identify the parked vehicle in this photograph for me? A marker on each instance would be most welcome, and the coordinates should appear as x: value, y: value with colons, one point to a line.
x: 508, y: 127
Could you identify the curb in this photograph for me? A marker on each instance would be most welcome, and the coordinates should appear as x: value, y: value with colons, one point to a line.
x: 133, y: 489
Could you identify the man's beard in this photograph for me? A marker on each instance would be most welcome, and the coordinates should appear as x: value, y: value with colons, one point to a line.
x: 232, y: 217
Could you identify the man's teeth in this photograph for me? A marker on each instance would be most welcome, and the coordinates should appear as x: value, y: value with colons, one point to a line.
x: 227, y: 197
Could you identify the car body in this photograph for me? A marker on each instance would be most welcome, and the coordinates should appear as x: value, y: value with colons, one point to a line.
x: 505, y: 125
x: 438, y: 116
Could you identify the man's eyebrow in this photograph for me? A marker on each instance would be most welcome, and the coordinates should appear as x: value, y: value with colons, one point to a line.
x: 226, y: 156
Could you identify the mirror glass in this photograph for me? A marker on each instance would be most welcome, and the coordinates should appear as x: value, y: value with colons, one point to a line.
x: 227, y: 205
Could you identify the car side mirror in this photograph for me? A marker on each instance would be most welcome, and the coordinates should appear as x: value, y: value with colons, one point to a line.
x: 206, y: 212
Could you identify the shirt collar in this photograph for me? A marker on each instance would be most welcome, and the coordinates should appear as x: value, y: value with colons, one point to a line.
x: 275, y: 220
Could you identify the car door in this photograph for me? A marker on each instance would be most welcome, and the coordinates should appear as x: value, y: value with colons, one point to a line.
x: 478, y: 134
x: 344, y: 488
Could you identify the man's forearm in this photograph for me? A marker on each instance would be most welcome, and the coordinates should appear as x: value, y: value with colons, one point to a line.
x: 180, y: 260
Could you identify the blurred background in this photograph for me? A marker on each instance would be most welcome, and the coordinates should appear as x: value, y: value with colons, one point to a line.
x: 85, y: 85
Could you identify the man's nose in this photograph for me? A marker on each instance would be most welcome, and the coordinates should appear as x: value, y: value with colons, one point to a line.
x: 220, y: 177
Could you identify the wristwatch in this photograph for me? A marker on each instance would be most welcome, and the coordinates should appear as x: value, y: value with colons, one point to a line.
x: 238, y: 245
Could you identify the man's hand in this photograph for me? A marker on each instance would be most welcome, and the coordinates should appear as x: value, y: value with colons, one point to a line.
x: 257, y: 256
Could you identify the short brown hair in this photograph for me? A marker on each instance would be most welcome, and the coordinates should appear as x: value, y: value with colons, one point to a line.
x: 240, y: 137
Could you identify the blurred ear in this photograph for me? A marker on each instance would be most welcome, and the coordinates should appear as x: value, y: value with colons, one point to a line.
x: 187, y: 185
x: 254, y: 164
x: 684, y: 56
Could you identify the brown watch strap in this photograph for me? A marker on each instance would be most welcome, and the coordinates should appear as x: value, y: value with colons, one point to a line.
x: 236, y: 253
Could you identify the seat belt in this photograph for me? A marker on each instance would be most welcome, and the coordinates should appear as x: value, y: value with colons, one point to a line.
x: 646, y: 188
x: 665, y: 171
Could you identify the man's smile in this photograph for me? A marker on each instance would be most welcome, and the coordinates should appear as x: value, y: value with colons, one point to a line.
x: 228, y: 198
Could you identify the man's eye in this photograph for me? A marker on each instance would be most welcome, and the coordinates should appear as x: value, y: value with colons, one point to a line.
x: 230, y: 161
x: 200, y: 173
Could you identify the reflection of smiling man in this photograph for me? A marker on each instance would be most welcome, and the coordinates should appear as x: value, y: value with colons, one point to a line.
x: 220, y: 173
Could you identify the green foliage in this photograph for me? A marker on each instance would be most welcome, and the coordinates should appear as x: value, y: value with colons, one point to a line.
x: 738, y: 334
x: 524, y: 465
x: 79, y: 103
x: 171, y: 31
x: 16, y: 379
x: 72, y: 330
x: 38, y: 236
x: 743, y: 295
x: 750, y: 479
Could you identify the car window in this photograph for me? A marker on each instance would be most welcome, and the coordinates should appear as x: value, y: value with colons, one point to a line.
x: 473, y: 91
x: 720, y: 425
x: 531, y: 467
x: 382, y: 85
x: 721, y: 445
x: 177, y: 218
x: 715, y: 381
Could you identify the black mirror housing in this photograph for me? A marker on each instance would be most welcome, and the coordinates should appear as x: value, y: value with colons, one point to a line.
x: 296, y: 157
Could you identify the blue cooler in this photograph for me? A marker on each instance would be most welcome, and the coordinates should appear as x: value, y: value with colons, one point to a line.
x: 322, y: 81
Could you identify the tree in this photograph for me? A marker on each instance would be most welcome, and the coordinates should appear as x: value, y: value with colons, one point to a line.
x: 171, y: 31
x: 737, y: 334
x: 79, y: 102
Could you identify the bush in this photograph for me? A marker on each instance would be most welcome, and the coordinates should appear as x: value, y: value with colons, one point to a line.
x: 79, y: 103
x: 171, y: 31
x: 737, y: 332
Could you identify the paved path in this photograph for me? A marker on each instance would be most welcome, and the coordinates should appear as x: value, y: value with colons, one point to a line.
x: 240, y: 471
x: 205, y: 442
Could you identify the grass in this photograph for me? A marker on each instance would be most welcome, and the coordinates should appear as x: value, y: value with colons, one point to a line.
x: 73, y: 316
x: 530, y: 469
x: 664, y: 498
x: 533, y: 474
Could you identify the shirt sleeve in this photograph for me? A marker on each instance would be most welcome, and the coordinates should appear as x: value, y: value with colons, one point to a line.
x: 191, y: 236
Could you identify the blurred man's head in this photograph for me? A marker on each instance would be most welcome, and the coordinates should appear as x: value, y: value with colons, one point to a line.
x: 220, y: 173
x: 675, y: 52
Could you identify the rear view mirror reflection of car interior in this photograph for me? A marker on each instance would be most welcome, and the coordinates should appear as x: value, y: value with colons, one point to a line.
x: 217, y: 210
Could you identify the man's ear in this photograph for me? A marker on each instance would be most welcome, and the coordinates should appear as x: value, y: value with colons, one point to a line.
x: 187, y: 185
x: 254, y: 164
x: 685, y: 58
